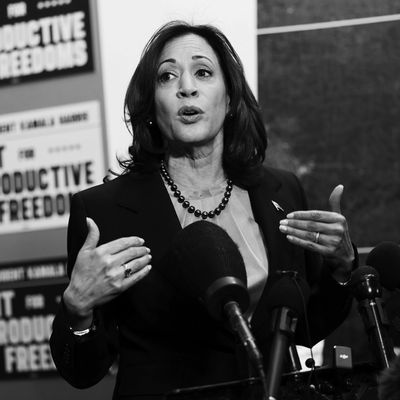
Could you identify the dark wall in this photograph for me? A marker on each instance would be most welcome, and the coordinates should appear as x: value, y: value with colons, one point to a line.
x: 330, y: 99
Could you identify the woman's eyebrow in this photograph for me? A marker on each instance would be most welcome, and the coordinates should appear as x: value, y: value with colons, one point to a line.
x: 168, y: 60
x: 195, y: 57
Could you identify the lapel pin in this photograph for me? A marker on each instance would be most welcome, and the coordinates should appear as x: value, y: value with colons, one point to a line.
x: 277, y: 206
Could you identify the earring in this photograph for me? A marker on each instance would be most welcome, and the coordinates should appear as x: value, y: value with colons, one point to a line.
x: 150, y: 122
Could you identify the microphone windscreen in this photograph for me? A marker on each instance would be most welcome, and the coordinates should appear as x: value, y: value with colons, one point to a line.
x: 289, y: 292
x: 203, y: 253
x: 365, y: 283
x: 385, y: 258
x: 361, y: 272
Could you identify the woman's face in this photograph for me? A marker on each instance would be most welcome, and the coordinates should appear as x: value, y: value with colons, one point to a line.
x: 190, y: 94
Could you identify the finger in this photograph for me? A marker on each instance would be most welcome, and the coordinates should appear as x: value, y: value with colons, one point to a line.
x: 309, y: 245
x: 305, y: 225
x: 314, y: 215
x: 299, y: 233
x: 331, y: 228
x: 129, y: 254
x: 316, y: 237
x: 120, y: 244
x: 135, y: 265
x: 93, y: 235
x: 335, y: 198
x: 136, y: 277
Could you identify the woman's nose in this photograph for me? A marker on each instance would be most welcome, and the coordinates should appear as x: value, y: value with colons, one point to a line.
x: 187, y: 87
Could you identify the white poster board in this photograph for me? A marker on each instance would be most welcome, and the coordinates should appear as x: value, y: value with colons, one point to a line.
x: 46, y: 155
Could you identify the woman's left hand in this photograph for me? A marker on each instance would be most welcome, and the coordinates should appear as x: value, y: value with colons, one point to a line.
x: 325, y: 232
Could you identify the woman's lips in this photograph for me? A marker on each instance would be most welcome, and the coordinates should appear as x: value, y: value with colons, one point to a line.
x: 190, y: 114
x: 189, y: 119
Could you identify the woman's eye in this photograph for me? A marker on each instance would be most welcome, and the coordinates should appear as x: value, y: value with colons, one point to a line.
x: 203, y: 73
x: 165, y: 77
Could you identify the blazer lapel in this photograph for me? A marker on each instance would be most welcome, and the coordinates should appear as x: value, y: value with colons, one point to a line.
x: 269, y: 206
x: 152, y: 211
x: 262, y: 198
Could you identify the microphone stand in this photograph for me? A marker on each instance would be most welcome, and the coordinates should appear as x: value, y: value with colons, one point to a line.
x: 374, y: 319
x: 368, y: 291
x: 239, y: 325
x: 284, y: 327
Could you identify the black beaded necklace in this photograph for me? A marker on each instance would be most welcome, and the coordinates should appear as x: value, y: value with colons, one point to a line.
x: 186, y: 204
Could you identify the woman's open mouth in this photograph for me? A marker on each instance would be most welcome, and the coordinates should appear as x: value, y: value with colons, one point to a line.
x: 190, y: 114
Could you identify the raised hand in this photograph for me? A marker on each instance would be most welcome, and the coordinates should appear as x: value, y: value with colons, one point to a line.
x: 102, y: 273
x: 325, y: 232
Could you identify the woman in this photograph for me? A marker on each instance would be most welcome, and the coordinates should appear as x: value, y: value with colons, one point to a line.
x: 198, y: 138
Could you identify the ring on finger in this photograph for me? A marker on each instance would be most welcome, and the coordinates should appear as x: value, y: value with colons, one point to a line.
x: 316, y: 239
x: 127, y: 271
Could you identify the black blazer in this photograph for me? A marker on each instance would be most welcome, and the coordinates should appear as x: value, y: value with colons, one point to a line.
x: 163, y: 339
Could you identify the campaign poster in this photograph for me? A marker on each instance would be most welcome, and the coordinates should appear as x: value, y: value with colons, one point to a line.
x: 29, y: 298
x: 46, y: 155
x: 42, y: 39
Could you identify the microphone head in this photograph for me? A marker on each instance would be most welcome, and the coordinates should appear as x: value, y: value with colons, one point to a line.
x: 206, y: 263
x: 291, y: 292
x: 385, y: 258
x: 365, y: 283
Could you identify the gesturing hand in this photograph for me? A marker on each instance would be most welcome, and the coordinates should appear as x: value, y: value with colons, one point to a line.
x: 325, y: 232
x: 102, y: 273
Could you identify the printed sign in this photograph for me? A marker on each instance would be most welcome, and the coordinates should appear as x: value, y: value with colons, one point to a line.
x: 46, y: 155
x: 29, y: 298
x: 41, y: 39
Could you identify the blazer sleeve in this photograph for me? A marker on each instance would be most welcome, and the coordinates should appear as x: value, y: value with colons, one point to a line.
x: 82, y: 361
x: 329, y: 302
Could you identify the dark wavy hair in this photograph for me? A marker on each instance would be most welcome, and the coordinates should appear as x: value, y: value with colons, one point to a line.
x: 245, y: 138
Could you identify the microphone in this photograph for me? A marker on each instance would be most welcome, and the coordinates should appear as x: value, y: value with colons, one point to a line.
x: 366, y: 288
x: 286, y: 299
x: 208, y: 265
x: 385, y: 258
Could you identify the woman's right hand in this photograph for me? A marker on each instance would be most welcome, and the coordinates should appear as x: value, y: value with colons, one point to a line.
x: 99, y: 273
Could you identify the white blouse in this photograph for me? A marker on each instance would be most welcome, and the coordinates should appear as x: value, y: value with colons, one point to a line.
x: 238, y: 221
